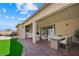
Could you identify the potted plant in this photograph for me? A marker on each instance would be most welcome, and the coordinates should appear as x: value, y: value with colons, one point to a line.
x: 77, y: 34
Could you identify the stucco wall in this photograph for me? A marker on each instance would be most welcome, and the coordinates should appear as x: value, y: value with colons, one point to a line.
x: 21, y: 32
x: 63, y: 29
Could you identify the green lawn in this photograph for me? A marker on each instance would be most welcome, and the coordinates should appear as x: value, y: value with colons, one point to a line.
x: 15, y: 48
x: 4, y: 47
x: 10, y: 47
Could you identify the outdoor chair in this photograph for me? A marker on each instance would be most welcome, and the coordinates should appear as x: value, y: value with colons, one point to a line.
x: 67, y: 42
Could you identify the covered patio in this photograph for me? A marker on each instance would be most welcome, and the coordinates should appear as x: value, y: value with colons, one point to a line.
x: 59, y: 21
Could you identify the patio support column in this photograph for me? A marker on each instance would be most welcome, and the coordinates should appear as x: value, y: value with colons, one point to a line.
x: 23, y: 32
x: 34, y: 31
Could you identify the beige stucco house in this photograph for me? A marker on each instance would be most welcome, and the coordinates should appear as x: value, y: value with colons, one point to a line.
x: 62, y: 18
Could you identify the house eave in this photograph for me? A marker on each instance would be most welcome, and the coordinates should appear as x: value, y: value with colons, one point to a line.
x: 46, y: 4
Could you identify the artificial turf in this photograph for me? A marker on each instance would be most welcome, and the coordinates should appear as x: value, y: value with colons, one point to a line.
x: 4, y: 47
x: 15, y: 48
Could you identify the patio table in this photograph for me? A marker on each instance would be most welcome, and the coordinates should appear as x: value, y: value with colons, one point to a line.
x: 55, y: 41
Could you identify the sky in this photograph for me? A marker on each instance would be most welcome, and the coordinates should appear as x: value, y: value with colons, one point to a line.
x: 13, y: 13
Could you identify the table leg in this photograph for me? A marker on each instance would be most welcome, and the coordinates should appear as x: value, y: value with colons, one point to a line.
x: 54, y: 44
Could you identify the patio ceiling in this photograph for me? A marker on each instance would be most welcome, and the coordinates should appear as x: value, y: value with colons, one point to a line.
x: 66, y: 14
x: 48, y: 10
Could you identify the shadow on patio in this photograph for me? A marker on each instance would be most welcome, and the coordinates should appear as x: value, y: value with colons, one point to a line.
x: 42, y: 48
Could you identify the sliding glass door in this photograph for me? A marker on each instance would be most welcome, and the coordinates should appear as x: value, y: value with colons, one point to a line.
x: 47, y: 31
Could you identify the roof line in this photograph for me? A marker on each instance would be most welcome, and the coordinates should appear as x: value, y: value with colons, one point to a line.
x: 45, y: 4
x: 42, y: 7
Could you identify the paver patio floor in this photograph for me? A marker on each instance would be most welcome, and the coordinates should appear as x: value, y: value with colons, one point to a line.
x: 42, y: 48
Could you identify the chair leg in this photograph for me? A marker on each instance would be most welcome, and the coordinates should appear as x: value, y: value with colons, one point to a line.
x: 70, y: 45
x: 58, y: 45
x: 66, y: 47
